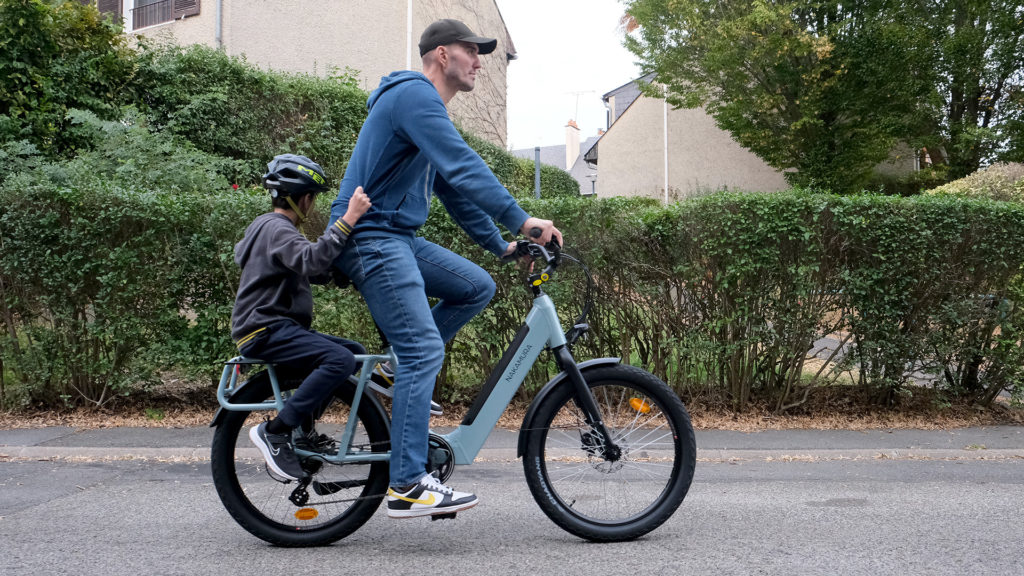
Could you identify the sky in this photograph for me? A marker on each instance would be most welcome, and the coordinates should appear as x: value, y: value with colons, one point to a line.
x: 570, y: 53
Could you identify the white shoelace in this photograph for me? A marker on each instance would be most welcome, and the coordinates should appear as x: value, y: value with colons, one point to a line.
x: 430, y: 481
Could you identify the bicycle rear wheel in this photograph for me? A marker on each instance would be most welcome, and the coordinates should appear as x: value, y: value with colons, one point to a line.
x: 623, y: 496
x: 338, y: 500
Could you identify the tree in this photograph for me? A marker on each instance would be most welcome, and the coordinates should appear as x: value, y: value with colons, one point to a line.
x: 826, y: 89
x: 980, y: 75
x: 821, y: 89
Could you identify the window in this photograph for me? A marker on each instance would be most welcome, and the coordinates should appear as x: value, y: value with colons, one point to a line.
x: 151, y: 12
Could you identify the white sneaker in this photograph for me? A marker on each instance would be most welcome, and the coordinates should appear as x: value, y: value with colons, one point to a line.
x: 428, y: 497
x: 382, y: 381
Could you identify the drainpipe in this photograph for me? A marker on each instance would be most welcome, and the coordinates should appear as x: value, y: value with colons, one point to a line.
x: 408, y: 36
x: 665, y: 130
x: 218, y: 25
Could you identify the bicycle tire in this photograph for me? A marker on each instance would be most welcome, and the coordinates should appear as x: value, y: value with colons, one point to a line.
x: 261, y: 504
x: 611, y: 500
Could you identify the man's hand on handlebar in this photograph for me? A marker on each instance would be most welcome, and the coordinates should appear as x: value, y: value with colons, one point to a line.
x: 548, y: 232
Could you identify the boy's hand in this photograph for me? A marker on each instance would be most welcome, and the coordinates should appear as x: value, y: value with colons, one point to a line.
x: 358, y: 204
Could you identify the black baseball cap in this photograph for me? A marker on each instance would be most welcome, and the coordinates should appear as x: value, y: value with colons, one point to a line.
x: 444, y: 32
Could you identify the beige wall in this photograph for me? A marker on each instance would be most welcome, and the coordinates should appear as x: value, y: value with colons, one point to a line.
x: 902, y: 161
x: 701, y: 156
x: 370, y: 36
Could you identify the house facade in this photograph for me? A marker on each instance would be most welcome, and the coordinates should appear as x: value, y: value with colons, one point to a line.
x: 371, y: 37
x: 654, y: 151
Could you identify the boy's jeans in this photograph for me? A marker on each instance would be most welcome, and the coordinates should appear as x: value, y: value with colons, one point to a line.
x: 328, y: 361
x: 396, y: 274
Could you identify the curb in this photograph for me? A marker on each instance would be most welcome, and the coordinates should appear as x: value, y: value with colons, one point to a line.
x: 9, y: 453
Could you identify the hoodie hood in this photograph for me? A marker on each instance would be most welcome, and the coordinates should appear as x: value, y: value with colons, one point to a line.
x: 390, y: 81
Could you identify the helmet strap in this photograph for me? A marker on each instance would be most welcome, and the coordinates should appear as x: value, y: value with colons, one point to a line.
x: 295, y: 207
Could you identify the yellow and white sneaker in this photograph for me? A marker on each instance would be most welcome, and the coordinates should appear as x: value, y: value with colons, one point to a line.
x: 428, y: 497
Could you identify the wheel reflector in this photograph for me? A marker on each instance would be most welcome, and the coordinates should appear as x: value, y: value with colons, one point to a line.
x: 640, y: 405
x: 306, y: 514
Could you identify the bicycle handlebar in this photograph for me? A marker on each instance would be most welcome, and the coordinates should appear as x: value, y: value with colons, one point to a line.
x: 551, y: 253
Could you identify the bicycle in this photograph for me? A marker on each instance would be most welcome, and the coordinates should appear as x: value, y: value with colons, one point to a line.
x: 608, y: 449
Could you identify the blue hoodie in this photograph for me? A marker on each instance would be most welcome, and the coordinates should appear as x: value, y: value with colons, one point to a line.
x: 408, y: 149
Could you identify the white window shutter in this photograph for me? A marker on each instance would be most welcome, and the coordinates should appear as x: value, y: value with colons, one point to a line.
x: 184, y: 8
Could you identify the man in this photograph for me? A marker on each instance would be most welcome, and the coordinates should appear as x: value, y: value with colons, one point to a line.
x: 408, y: 149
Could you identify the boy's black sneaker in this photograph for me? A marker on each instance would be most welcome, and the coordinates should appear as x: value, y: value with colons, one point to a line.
x: 428, y: 497
x: 277, y: 450
x: 382, y: 381
x: 316, y: 442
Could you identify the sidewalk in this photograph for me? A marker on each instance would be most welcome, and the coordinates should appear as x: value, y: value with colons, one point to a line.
x: 982, y: 443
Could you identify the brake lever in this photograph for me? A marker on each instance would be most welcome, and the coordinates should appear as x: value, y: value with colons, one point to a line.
x: 522, y: 249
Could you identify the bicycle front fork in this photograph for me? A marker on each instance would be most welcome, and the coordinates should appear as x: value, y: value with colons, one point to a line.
x: 586, y: 402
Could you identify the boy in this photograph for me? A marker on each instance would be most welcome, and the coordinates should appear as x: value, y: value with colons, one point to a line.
x: 274, y: 307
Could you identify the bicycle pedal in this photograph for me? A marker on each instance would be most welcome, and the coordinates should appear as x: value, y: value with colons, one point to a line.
x: 449, y: 516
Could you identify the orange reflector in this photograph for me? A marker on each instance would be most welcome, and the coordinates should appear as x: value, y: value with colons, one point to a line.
x: 640, y: 405
x: 306, y: 514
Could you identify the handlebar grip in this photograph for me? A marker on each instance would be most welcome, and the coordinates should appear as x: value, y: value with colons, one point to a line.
x: 536, y: 233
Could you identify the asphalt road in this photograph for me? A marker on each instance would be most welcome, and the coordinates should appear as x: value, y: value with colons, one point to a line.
x: 753, y: 515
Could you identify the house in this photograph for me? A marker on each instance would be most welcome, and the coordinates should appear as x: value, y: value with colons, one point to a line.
x: 372, y: 37
x: 652, y: 150
x: 568, y: 157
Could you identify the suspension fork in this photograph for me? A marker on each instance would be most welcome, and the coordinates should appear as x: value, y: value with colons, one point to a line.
x: 585, y: 401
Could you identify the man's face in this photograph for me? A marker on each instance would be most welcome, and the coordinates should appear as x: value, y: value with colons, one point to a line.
x: 463, y: 62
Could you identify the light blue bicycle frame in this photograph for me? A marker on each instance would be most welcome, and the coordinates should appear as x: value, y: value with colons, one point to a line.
x: 540, y: 329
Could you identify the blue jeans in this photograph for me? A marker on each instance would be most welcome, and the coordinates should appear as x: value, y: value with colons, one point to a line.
x: 396, y: 274
x: 324, y: 360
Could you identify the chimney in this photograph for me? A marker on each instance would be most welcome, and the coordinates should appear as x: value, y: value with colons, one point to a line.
x: 572, y: 144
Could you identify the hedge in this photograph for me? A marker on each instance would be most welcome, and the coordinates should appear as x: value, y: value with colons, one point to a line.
x: 105, y: 283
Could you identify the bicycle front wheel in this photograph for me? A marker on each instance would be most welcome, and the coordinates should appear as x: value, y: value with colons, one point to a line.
x: 611, y: 495
x: 338, y: 500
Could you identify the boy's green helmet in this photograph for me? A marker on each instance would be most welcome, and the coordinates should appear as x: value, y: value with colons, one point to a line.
x: 291, y: 175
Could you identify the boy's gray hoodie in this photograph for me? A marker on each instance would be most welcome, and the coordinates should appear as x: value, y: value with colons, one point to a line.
x: 277, y: 263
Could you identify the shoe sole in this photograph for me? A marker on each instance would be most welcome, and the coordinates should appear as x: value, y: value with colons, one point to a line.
x: 423, y: 512
x: 275, y: 472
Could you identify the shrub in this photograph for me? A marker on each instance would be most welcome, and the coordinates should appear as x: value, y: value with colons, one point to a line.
x: 106, y: 281
x: 997, y: 182
x: 228, y: 107
x: 727, y: 294
x: 71, y: 58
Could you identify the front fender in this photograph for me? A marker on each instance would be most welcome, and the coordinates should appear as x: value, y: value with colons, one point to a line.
x: 546, y: 390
